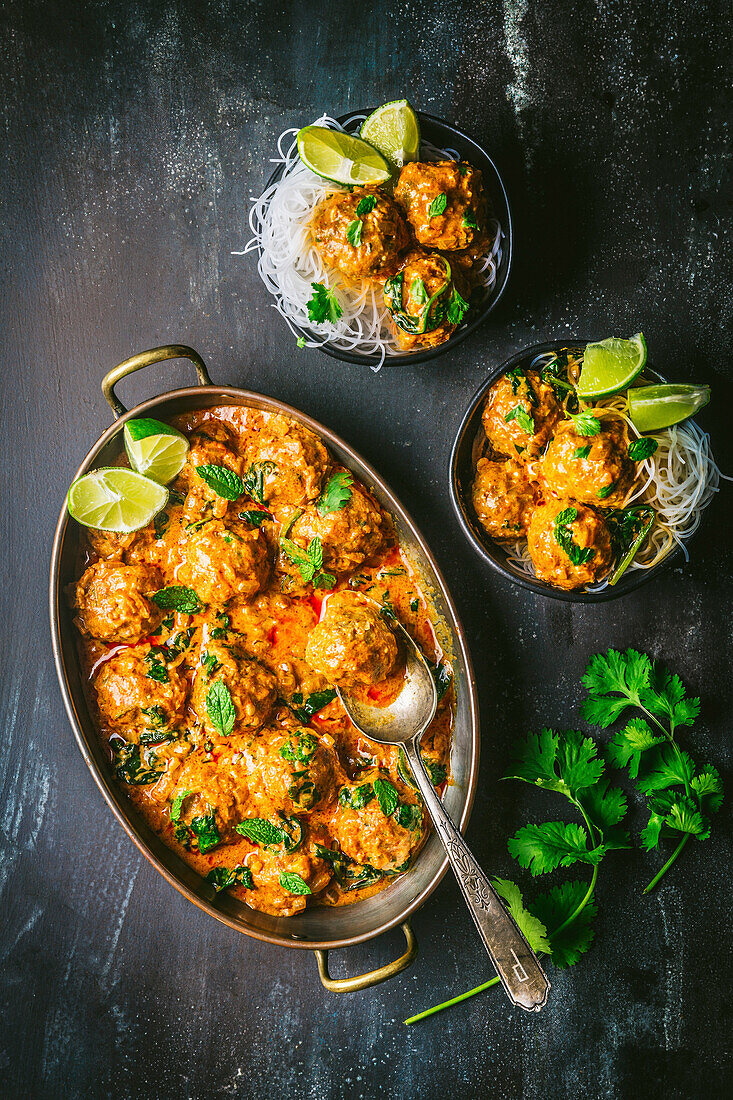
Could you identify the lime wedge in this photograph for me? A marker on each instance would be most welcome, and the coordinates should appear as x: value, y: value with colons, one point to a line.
x: 654, y: 407
x: 155, y: 449
x: 340, y: 157
x: 393, y: 129
x: 611, y: 365
x: 115, y: 499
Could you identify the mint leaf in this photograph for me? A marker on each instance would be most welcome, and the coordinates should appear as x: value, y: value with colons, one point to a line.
x: 353, y: 232
x: 261, y: 831
x: 178, y: 597
x: 530, y: 926
x: 221, y: 878
x: 366, y: 205
x: 337, y: 493
x: 222, y: 480
x: 293, y: 883
x: 554, y: 908
x: 642, y: 448
x: 438, y: 205
x: 323, y: 306
x: 387, y: 796
x: 522, y: 417
x: 177, y: 806
x: 220, y: 708
x: 553, y: 844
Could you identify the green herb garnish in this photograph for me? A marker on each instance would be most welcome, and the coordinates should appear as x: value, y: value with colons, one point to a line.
x: 305, y: 708
x: 582, y: 452
x: 438, y: 205
x: 308, y: 561
x: 585, y: 423
x: 221, y: 878
x: 255, y: 517
x: 469, y: 220
x: 131, y: 768
x: 522, y: 417
x: 254, y: 479
x: 222, y: 480
x: 353, y: 233
x: 337, y: 493
x: 366, y: 205
x: 178, y: 597
x: 323, y: 305
x: 563, y: 532
x: 457, y: 307
x: 206, y: 832
x: 293, y: 883
x: 220, y: 708
x: 156, y: 668
x: 642, y: 448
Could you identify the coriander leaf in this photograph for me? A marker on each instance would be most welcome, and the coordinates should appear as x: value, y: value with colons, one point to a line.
x: 665, y: 696
x: 254, y: 479
x: 578, y: 764
x: 221, y: 878
x: 323, y: 306
x: 261, y: 831
x: 438, y: 205
x: 300, y: 342
x: 220, y: 708
x: 553, y: 844
x: 178, y: 597
x: 353, y: 232
x: 469, y: 220
x: 554, y: 908
x: 522, y: 417
x: 673, y: 768
x: 628, y: 744
x: 586, y: 423
x: 293, y: 883
x: 605, y: 807
x: 536, y: 762
x: 606, y: 491
x: 177, y: 806
x: 207, y: 832
x: 457, y: 307
x: 563, y: 534
x: 642, y: 448
x: 366, y: 205
x: 627, y: 673
x: 222, y: 480
x: 582, y: 452
x: 650, y: 834
x: 708, y: 786
x: 684, y: 817
x: 530, y: 926
x: 337, y: 493
x: 387, y: 796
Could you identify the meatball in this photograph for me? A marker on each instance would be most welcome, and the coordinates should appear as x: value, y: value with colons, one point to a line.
x: 252, y: 688
x: 415, y: 319
x: 352, y: 644
x: 349, y: 536
x: 295, y: 774
x: 222, y: 560
x: 136, y: 692
x: 361, y: 233
x: 520, y: 414
x: 369, y: 836
x: 444, y: 202
x: 269, y: 895
x: 214, y: 782
x: 590, y: 468
x: 111, y: 546
x: 114, y: 602
x: 286, y: 463
x: 503, y: 497
x: 569, y: 544
x: 212, y: 444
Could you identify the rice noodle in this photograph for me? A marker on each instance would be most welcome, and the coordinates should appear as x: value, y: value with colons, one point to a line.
x: 288, y: 261
x: 678, y: 481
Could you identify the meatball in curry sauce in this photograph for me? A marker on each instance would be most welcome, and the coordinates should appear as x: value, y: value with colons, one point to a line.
x: 361, y: 233
x: 213, y: 641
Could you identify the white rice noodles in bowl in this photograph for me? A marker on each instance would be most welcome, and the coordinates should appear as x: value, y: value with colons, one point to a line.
x: 289, y: 262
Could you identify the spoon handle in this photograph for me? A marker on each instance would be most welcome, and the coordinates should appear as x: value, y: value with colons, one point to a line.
x: 516, y: 964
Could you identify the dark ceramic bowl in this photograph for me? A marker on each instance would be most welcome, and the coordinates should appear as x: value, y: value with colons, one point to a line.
x: 462, y: 466
x: 445, y: 136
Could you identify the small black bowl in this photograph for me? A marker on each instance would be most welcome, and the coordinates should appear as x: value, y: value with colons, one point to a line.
x: 462, y: 466
x: 442, y: 134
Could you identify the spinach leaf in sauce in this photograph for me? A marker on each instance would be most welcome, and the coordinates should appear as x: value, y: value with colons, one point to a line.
x: 221, y: 878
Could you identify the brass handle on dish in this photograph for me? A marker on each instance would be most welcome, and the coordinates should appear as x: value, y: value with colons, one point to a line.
x: 145, y: 359
x: 372, y: 977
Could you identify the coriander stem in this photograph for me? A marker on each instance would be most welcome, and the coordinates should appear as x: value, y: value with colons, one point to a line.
x: 647, y: 889
x: 453, y: 1001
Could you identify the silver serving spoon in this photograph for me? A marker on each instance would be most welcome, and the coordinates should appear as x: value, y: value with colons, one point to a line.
x: 404, y: 722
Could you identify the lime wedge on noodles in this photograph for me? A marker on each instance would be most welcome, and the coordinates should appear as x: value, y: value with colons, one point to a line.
x: 340, y: 157
x: 394, y: 130
x: 155, y: 449
x: 611, y: 365
x: 655, y: 407
x: 115, y: 499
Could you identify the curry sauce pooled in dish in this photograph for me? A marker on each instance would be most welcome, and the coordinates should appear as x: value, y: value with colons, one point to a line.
x: 213, y: 639
x: 578, y: 486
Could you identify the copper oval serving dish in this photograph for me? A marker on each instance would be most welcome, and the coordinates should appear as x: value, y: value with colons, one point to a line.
x: 318, y: 928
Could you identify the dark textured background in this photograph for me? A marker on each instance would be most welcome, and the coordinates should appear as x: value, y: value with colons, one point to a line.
x: 133, y: 134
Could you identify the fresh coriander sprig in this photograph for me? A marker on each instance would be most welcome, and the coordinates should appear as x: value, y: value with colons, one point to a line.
x: 679, y: 797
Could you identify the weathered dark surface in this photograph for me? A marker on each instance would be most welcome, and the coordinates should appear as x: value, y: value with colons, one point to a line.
x: 133, y: 135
